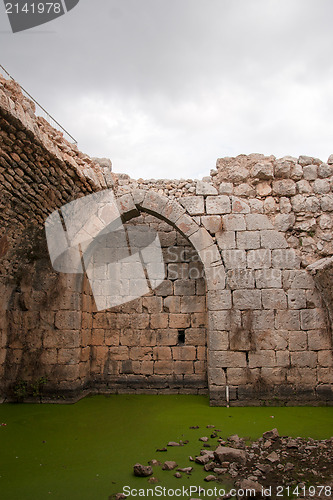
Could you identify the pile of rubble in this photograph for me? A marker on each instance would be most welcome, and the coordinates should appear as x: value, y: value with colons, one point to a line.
x: 272, y: 461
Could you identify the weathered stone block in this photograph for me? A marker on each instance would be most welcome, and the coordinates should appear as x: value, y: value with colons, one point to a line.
x: 152, y: 304
x: 285, y: 187
x: 302, y: 376
x: 296, y: 299
x: 273, y: 376
x: 255, y: 222
x: 192, y: 304
x: 195, y: 271
x: 162, y: 353
x: 327, y: 203
x: 240, y: 339
x: 282, y: 358
x: 259, y: 259
x: 210, y: 256
x: 303, y: 358
x: 310, y: 172
x: 97, y: 336
x: 325, y: 376
x: 218, y: 205
x: 48, y: 356
x: 248, y: 239
x: 129, y: 337
x: 312, y: 319
x: 263, y: 189
x: 227, y: 359
x: 218, y: 300
x: 285, y: 259
x: 270, y: 339
x: 272, y: 239
x: 234, y: 222
x: 219, y: 320
x: 173, y: 211
x: 119, y: 353
x: 63, y: 338
x: 183, y: 367
x: 200, y: 286
x: 262, y: 170
x: 147, y: 367
x: 213, y: 223
x: 204, y: 188
x: 218, y: 341
x: 226, y: 240
x: 287, y: 320
x: 184, y: 353
x: 268, y: 278
x: 216, y: 376
x: 261, y: 359
x: 325, y: 358
x: 226, y: 188
x: 240, y: 279
x: 69, y: 356
x: 237, y: 376
x: 154, y: 203
x: 184, y: 287
x: 198, y: 320
x: 215, y: 277
x: 159, y: 320
x: 186, y: 225
x: 147, y: 337
x: 140, y: 321
x: 164, y: 289
x: 194, y: 205
x: 246, y: 299
x: 321, y: 186
x: 318, y: 339
x: 127, y: 207
x: 274, y: 299
x: 239, y: 206
x: 142, y: 353
x: 324, y: 171
x: 168, y: 337
x: 298, y: 341
x: 234, y: 259
x: 163, y: 367
x: 298, y: 279
x: 172, y: 304
x: 262, y: 320
x: 283, y: 222
x: 178, y: 271
x: 195, y: 336
x: 179, y: 320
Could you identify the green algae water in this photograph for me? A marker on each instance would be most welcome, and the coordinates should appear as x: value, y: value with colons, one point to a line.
x: 86, y: 451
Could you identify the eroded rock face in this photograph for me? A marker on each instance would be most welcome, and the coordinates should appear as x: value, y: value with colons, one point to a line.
x: 142, y: 470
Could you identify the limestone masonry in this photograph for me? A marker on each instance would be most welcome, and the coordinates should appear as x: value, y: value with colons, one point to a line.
x: 247, y: 302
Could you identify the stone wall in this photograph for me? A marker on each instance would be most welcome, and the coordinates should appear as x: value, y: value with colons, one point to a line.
x: 257, y: 232
x: 156, y: 342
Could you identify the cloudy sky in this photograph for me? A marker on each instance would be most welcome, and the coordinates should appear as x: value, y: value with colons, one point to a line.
x: 165, y: 87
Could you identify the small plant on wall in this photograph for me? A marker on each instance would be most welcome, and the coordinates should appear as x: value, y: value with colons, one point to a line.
x: 23, y: 389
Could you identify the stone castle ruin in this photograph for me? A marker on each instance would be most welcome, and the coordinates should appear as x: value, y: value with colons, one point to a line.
x: 246, y: 304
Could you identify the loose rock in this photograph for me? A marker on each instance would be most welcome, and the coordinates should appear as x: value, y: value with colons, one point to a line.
x: 142, y: 470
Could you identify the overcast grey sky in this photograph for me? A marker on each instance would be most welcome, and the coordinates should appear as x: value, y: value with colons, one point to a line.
x: 165, y: 87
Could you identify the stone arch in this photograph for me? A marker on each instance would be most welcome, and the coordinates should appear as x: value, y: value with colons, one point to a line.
x: 218, y: 301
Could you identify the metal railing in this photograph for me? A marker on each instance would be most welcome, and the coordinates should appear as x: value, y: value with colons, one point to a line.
x: 47, y: 115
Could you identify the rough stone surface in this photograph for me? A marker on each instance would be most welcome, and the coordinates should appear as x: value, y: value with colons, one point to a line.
x: 247, y: 298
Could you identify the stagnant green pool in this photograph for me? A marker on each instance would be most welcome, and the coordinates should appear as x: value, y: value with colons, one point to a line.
x: 86, y: 451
